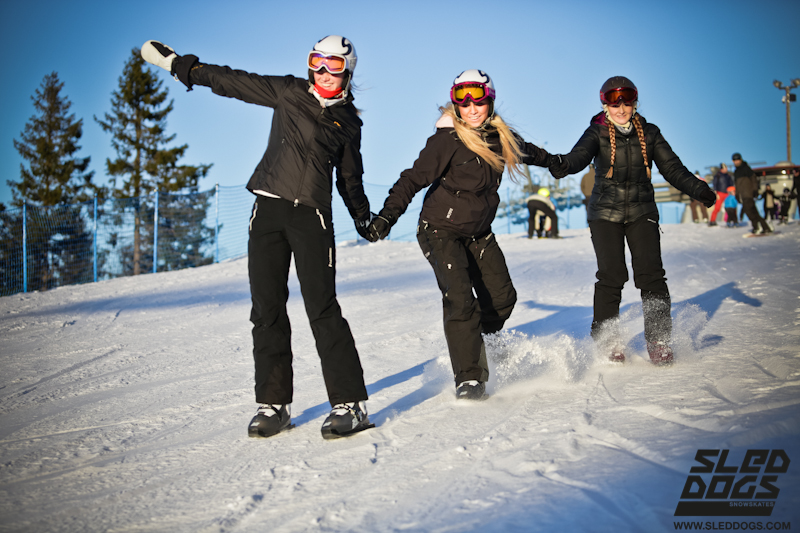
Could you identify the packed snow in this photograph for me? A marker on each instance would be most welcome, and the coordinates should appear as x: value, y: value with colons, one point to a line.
x: 124, y: 404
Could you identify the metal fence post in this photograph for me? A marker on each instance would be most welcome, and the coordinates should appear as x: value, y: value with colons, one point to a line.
x: 24, y: 247
x: 508, y: 209
x: 216, y: 226
x: 94, y: 251
x: 155, y: 236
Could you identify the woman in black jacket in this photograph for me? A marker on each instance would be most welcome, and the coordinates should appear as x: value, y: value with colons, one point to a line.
x: 622, y: 208
x: 463, y: 164
x: 315, y: 128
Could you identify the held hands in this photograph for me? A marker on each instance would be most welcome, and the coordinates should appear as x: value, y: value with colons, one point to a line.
x: 558, y: 166
x: 362, y: 225
x: 380, y: 226
x: 708, y: 198
x: 159, y: 55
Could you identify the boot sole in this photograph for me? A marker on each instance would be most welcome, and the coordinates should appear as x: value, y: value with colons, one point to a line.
x: 330, y: 434
x: 260, y: 434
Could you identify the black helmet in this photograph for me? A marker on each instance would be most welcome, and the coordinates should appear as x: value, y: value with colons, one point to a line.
x: 618, y: 88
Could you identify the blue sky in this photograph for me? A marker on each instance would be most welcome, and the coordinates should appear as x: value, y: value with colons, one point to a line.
x: 704, y: 71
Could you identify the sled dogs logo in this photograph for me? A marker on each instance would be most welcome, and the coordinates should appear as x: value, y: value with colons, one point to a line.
x: 718, y: 486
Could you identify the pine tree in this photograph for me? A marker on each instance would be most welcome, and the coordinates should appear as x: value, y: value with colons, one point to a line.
x: 58, y: 243
x: 49, y: 143
x: 144, y: 164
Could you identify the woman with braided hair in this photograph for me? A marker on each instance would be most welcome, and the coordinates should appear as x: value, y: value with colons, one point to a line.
x: 622, y: 208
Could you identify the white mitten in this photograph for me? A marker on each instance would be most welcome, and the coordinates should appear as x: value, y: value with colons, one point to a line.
x: 159, y: 55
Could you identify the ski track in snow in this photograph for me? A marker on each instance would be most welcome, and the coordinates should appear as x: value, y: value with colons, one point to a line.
x: 124, y: 404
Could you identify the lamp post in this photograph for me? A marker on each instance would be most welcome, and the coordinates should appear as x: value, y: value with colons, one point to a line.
x: 788, y: 99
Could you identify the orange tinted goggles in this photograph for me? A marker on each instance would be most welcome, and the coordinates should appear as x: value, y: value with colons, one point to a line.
x: 626, y: 95
x: 335, y: 64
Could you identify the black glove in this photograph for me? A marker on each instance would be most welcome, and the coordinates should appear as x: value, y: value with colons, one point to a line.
x: 708, y: 198
x: 380, y: 226
x: 558, y: 166
x: 362, y: 225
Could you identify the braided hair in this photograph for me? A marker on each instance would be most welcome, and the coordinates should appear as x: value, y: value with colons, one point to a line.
x: 612, y: 133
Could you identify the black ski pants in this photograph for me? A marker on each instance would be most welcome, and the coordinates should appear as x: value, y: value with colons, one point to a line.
x: 477, y: 294
x: 750, y: 209
x: 278, y: 231
x: 644, y: 243
x: 536, y: 205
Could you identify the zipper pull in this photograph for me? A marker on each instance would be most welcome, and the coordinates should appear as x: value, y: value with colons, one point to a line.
x: 296, y: 202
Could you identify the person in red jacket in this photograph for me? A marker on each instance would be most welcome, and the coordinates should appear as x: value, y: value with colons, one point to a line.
x: 315, y: 128
x: 462, y: 165
x: 623, y: 209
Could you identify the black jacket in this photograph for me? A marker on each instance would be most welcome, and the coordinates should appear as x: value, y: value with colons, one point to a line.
x: 628, y: 195
x: 746, y: 182
x: 463, y: 196
x: 306, y: 140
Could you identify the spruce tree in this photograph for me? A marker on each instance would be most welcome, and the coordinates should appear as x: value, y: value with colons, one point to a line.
x: 52, y: 185
x: 144, y: 164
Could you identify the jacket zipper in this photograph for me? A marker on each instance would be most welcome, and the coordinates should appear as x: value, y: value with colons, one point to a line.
x: 305, y: 163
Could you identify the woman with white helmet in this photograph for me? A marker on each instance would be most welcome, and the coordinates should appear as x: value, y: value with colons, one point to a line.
x: 315, y: 127
x: 622, y: 208
x: 463, y: 163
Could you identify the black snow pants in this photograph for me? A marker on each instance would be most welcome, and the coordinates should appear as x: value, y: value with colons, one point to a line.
x: 750, y: 209
x: 279, y: 230
x: 461, y: 265
x: 644, y: 243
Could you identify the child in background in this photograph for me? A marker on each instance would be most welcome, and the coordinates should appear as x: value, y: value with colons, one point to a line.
x: 730, y: 208
x: 786, y: 201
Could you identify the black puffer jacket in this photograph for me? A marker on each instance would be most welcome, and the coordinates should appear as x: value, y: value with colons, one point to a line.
x: 463, y: 195
x: 306, y: 141
x: 628, y: 195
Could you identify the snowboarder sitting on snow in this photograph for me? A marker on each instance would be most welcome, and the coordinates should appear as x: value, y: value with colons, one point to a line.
x: 542, y: 203
x: 463, y: 163
x: 623, y: 208
x: 315, y: 127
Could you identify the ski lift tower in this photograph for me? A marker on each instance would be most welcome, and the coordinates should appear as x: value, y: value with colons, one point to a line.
x: 788, y: 99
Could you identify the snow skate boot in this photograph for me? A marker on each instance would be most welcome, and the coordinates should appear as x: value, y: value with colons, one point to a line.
x: 346, y: 419
x: 660, y: 353
x: 270, y: 420
x: 471, y: 390
x: 617, y: 355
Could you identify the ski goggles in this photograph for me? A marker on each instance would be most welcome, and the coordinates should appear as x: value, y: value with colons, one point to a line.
x: 335, y: 63
x: 627, y: 95
x: 472, y: 90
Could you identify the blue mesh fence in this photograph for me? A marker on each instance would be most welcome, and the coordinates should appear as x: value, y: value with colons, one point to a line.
x: 81, y: 243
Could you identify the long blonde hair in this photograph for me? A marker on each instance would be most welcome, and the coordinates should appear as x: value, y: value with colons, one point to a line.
x: 472, y: 139
x: 612, y: 133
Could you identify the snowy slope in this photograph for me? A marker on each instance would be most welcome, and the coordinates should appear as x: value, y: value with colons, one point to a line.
x: 124, y: 404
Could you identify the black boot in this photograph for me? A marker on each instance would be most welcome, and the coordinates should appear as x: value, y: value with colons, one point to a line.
x: 270, y: 420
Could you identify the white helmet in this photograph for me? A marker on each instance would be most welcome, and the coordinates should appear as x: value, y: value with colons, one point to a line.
x: 473, y: 85
x: 334, y: 53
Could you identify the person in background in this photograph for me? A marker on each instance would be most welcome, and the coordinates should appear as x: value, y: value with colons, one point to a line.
x: 746, y: 193
x: 623, y: 209
x: 722, y: 180
x: 315, y: 128
x: 462, y: 165
x: 786, y: 201
x: 795, y: 191
x: 730, y: 208
x: 587, y: 182
x: 770, y: 206
x: 699, y: 211
x: 540, y: 202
